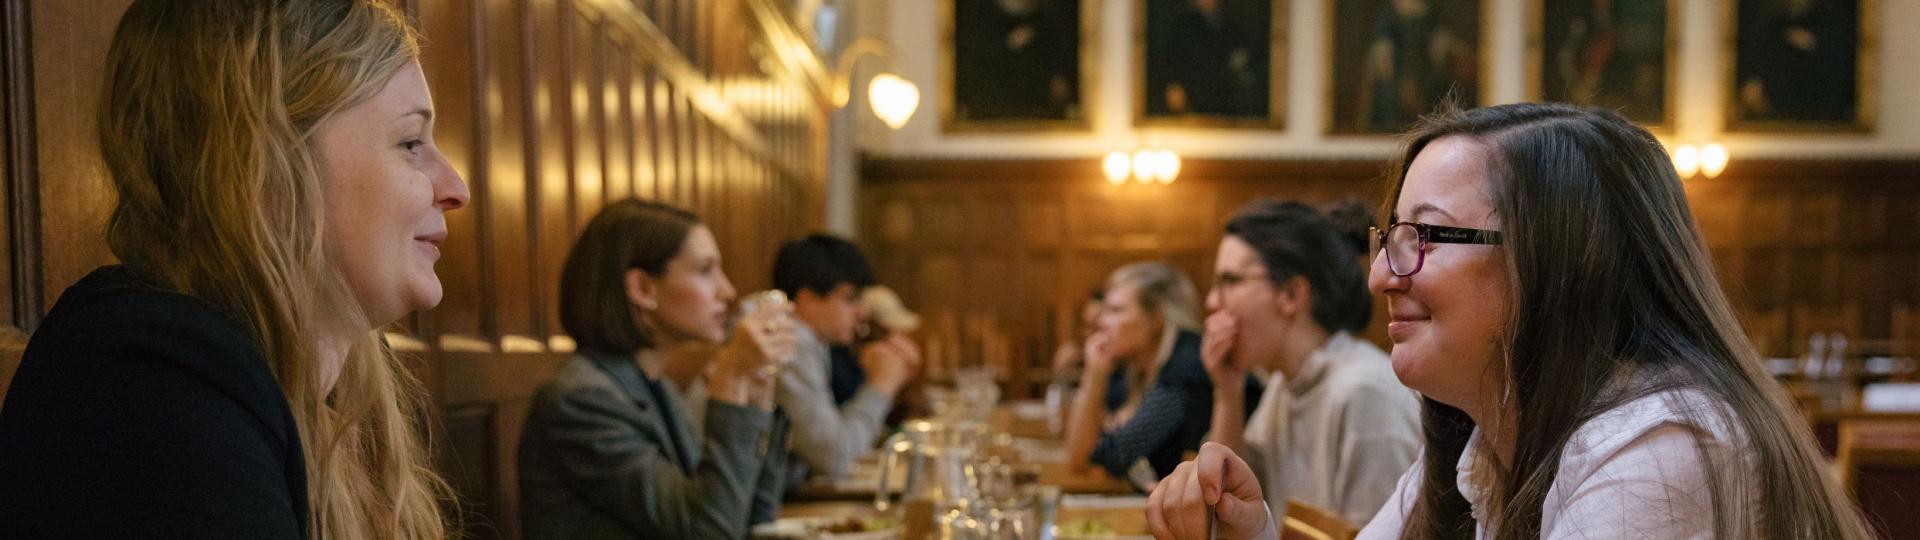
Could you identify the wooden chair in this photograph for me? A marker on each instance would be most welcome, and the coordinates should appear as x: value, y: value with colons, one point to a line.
x: 1879, y: 465
x: 1306, y: 521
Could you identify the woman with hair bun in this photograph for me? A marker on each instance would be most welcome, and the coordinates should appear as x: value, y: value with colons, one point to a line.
x: 1334, y: 427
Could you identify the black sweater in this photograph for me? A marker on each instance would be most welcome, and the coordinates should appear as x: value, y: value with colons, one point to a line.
x: 143, y: 413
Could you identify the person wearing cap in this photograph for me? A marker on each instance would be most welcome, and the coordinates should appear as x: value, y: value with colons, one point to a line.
x: 886, y: 315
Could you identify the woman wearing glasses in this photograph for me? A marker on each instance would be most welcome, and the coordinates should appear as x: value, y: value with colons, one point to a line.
x: 1334, y: 427
x: 1583, y: 373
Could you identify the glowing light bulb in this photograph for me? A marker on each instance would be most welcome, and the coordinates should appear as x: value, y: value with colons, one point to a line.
x: 893, y: 99
x: 1117, y: 166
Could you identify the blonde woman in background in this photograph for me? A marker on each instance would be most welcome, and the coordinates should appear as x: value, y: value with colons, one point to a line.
x: 1149, y: 310
x: 280, y: 200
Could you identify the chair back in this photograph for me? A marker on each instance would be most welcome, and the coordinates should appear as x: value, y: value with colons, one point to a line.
x: 1306, y: 521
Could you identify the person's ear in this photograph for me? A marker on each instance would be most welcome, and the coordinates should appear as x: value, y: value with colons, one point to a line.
x: 806, y: 297
x: 642, y: 289
x: 1292, y: 296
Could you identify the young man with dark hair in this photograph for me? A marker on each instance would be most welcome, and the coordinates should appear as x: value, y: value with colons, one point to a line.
x: 823, y: 275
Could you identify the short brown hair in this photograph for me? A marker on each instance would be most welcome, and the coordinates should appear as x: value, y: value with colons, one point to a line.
x: 624, y: 235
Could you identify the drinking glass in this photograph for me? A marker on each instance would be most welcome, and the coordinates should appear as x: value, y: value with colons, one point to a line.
x: 771, y: 303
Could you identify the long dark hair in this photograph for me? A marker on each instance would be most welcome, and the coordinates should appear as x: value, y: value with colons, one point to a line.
x: 1587, y: 199
x: 1294, y: 239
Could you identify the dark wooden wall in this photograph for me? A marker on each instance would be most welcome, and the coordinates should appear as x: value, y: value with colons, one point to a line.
x: 56, y: 192
x: 548, y: 108
x: 555, y: 107
x: 999, y: 254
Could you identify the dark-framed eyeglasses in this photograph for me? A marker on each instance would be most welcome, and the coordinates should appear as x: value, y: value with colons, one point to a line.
x: 1404, y: 244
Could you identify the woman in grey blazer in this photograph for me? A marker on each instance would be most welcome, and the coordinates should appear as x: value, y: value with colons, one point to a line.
x: 607, y: 451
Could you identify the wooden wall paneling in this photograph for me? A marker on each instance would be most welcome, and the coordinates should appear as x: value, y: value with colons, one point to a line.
x: 666, y: 19
x: 727, y: 156
x: 69, y: 53
x: 690, y: 33
x: 712, y: 14
x: 509, y: 229
x: 20, y: 258
x: 456, y: 66
x: 647, y: 132
x: 714, y: 140
x: 759, y: 257
x: 741, y: 188
x: 552, y: 111
x: 20, y: 191
x: 695, y: 134
x: 761, y: 219
x: 705, y: 138
x: 634, y: 123
x: 614, y: 110
x: 726, y: 230
x: 588, y: 157
x: 673, y: 171
x: 450, y: 60
x: 660, y: 107
x: 686, y: 148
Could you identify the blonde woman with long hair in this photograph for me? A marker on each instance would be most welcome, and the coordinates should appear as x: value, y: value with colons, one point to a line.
x: 1148, y: 317
x: 280, y: 200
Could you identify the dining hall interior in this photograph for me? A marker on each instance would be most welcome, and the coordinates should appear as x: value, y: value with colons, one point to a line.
x: 1005, y: 169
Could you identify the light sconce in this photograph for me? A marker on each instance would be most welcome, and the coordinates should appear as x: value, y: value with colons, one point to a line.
x: 1144, y: 166
x: 1713, y: 159
x: 892, y: 97
x: 1117, y: 166
x: 1708, y: 160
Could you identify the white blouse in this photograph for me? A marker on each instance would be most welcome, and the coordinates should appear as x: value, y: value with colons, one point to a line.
x: 1337, y: 434
x: 1632, y: 472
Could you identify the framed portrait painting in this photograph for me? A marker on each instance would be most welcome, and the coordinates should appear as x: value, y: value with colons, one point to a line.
x: 1210, y: 63
x: 1396, y: 60
x: 1802, y: 65
x: 1019, y: 64
x: 1616, y: 54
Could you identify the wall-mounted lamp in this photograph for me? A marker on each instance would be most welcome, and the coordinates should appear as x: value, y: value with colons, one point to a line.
x: 1144, y: 166
x: 892, y: 97
x: 1708, y: 160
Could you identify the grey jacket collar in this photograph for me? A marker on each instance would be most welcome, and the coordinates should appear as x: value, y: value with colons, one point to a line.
x: 627, y: 375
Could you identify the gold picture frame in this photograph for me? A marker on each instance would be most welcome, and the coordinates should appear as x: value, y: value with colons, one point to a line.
x: 1538, y: 51
x: 1339, y: 125
x: 1078, y: 117
x: 1276, y: 83
x: 1744, y: 113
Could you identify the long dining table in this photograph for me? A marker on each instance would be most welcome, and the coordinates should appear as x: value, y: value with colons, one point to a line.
x: 1020, y: 428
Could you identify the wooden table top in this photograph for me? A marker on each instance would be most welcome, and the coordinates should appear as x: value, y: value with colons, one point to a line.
x: 1881, y: 442
x: 1126, y: 515
x: 1029, y: 437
